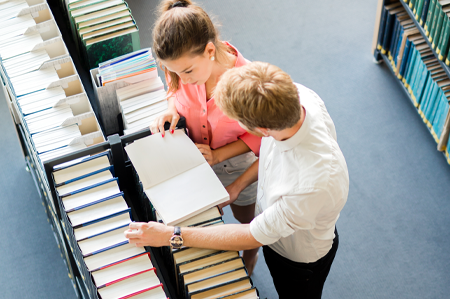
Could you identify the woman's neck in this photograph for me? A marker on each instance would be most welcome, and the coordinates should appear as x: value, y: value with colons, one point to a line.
x: 218, y: 70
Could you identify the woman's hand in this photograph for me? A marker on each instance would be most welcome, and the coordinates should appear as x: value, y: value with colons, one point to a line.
x: 171, y: 115
x: 209, y: 154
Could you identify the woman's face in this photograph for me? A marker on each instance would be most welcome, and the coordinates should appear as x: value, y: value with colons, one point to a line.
x: 194, y: 70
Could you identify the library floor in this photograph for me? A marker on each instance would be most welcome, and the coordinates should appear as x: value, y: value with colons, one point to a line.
x: 394, y: 230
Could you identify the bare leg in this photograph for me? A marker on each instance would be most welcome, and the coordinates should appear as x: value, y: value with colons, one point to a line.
x: 245, y: 214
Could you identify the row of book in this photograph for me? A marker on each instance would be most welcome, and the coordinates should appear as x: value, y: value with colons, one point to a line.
x: 208, y: 273
x: 174, y: 160
x: 129, y: 86
x: 96, y: 216
x: 421, y: 73
x: 41, y: 83
x: 102, y: 29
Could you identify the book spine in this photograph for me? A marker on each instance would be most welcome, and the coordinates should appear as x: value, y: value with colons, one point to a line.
x: 101, y: 219
x: 104, y: 232
x: 125, y: 277
x: 142, y: 291
x: 89, y: 187
x: 418, y: 11
x: 444, y: 40
x: 404, y: 59
x: 429, y: 17
x: 393, y: 38
x: 95, y: 202
x: 412, y: 3
x: 387, y: 33
x: 424, y: 13
x: 437, y: 31
x: 104, y: 249
x: 382, y: 27
x: 433, y: 22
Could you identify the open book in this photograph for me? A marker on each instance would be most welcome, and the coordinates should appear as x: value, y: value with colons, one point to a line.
x: 176, y: 178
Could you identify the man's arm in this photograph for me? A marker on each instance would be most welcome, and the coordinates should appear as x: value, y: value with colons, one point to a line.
x: 224, y: 237
x: 243, y: 181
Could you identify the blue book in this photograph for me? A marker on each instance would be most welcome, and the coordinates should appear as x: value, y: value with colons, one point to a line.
x: 408, y: 62
x: 441, y: 115
x: 411, y: 66
x: 388, y: 32
x: 422, y: 87
x: 103, y: 242
x: 417, y: 65
x: 417, y: 76
x: 90, y: 187
x: 104, y: 225
x: 430, y: 103
x: 404, y: 59
x: 423, y: 16
x: 425, y: 93
x: 381, y: 29
x: 426, y: 100
x: 397, y: 49
x: 392, y: 44
x: 433, y: 108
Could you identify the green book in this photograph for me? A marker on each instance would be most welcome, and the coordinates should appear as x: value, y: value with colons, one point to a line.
x: 111, y: 45
x: 418, y: 10
x: 105, y: 19
x: 437, y: 31
x: 447, y: 61
x: 429, y: 17
x: 443, y: 49
x: 436, y: 9
x: 411, y: 3
x: 82, y: 4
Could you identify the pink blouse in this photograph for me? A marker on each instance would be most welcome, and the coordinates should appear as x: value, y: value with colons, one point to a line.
x: 206, y: 123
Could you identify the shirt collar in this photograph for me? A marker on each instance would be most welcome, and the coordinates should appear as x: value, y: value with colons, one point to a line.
x: 297, y: 138
x: 240, y: 60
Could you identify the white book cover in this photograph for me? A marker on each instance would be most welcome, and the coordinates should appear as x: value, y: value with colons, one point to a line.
x: 61, y: 152
x: 143, y: 104
x: 130, y: 286
x: 112, y: 256
x: 91, y: 195
x: 152, y: 97
x: 20, y: 45
x: 121, y: 270
x: 156, y: 293
x: 16, y: 20
x: 102, y: 226
x: 94, y: 212
x: 175, y: 175
x: 149, y: 107
x: 156, y: 109
x: 81, y: 169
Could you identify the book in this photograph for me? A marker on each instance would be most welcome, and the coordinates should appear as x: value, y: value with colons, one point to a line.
x: 424, y: 13
x: 216, y: 280
x: 429, y: 18
x: 223, y: 290
x: 138, y: 283
x: 154, y: 293
x: 189, y: 266
x: 246, y: 294
x: 85, y: 182
x: 122, y: 270
x: 98, y: 226
x: 175, y: 161
x: 103, y: 242
x: 81, y: 169
x: 108, y: 206
x: 90, y: 195
x: 114, y: 255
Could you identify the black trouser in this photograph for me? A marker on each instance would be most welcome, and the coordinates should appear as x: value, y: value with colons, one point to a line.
x: 299, y: 280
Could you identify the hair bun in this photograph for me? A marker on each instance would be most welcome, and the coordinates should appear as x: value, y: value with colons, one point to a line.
x: 179, y: 4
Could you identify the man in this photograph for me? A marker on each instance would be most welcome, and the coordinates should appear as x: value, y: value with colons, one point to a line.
x: 302, y: 182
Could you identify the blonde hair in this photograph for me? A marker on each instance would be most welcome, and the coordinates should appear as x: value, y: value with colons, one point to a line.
x: 184, y: 28
x: 259, y: 95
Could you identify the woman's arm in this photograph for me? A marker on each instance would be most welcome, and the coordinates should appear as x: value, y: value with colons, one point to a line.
x: 223, y: 153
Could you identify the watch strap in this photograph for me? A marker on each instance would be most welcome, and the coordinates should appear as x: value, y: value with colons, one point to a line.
x: 177, y: 231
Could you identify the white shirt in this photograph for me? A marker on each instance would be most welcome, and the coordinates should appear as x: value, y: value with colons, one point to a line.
x: 302, y: 186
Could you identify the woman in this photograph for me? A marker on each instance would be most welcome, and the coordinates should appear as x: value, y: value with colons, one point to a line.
x: 188, y: 48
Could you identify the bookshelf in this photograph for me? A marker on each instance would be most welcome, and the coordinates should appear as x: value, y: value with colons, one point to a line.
x: 442, y: 140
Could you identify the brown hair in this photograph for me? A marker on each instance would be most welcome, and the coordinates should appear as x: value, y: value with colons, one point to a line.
x: 183, y: 27
x: 259, y: 95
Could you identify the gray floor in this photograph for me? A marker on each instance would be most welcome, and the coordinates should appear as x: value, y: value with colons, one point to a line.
x: 394, y: 228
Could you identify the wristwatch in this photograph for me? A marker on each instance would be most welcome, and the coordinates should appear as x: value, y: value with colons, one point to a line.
x: 176, y: 241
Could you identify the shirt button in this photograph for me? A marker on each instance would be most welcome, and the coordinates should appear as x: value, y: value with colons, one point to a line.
x: 204, y: 127
x: 204, y: 110
x: 205, y: 138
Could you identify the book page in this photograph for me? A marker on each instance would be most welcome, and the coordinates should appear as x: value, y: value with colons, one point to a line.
x: 94, y: 212
x: 220, y: 279
x: 86, y: 182
x: 102, y: 241
x: 130, y: 285
x: 213, y: 270
x: 102, y: 226
x: 81, y: 169
x: 224, y: 290
x: 156, y: 293
x: 121, y: 270
x: 91, y: 195
x: 112, y: 256
x: 187, y: 194
x: 192, y: 253
x: 158, y: 159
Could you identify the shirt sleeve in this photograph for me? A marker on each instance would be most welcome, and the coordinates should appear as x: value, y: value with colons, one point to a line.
x: 252, y: 141
x: 289, y: 214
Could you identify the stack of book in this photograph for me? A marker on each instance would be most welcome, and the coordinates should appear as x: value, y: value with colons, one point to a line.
x: 174, y: 160
x: 96, y: 216
x: 42, y: 84
x: 416, y: 66
x: 103, y: 29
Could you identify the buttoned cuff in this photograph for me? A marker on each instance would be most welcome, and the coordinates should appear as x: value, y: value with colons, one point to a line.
x: 252, y: 141
x: 258, y: 234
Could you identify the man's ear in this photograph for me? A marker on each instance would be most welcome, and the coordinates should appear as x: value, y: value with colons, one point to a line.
x: 263, y: 131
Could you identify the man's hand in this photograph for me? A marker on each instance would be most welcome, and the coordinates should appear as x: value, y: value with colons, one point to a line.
x: 149, y: 234
x: 233, y: 192
x: 208, y: 153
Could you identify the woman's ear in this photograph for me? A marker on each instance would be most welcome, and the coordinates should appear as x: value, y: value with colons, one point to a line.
x: 210, y: 50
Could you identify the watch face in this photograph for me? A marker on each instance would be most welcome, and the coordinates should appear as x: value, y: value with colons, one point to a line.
x: 176, y: 241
